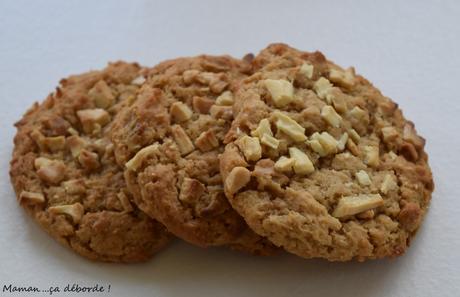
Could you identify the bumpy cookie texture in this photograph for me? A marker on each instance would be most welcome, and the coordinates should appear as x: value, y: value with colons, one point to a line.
x: 338, y: 174
x: 169, y: 140
x: 65, y: 174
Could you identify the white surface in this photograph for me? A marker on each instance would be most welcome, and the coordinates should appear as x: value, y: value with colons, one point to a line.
x: 409, y: 50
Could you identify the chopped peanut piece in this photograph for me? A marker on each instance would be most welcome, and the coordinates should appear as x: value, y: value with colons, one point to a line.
x: 389, y: 134
x: 50, y: 171
x: 358, y: 113
x: 141, y: 155
x: 226, y: 98
x: 93, y: 119
x: 351, y: 205
x: 366, y: 215
x: 74, y: 186
x: 339, y: 103
x: 343, y: 78
x: 284, y: 164
x: 270, y: 141
x: 354, y: 135
x: 329, y: 114
x: 323, y: 144
x: 101, y: 95
x: 392, y: 155
x: 317, y: 147
x: 237, y: 179
x: 221, y: 112
x: 201, y: 104
x: 183, y: 141
x: 75, y: 211
x: 302, y: 164
x: 54, y: 144
x: 72, y: 131
x: 180, y: 112
x: 250, y: 146
x: 31, y: 197
x: 352, y: 147
x: 289, y: 127
x: 89, y: 160
x: 281, y: 91
x: 263, y: 128
x: 191, y: 190
x: 342, y: 141
x: 207, y: 141
x: 411, y: 136
x: 189, y: 76
x: 371, y: 155
x: 388, y: 184
x: 138, y: 81
x: 363, y: 178
x: 307, y: 70
x: 76, y: 144
x: 323, y: 88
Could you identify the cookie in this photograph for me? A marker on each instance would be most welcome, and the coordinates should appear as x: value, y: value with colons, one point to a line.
x: 169, y: 140
x: 65, y: 175
x: 321, y: 163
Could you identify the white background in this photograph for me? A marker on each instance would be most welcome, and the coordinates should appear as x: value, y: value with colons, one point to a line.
x: 409, y: 49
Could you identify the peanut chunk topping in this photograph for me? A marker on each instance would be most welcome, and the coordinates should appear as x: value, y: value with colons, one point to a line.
x: 141, y: 155
x: 76, y: 144
x: 281, y: 91
x: 329, y: 114
x: 265, y: 134
x: 237, y: 179
x: 101, y: 95
x: 302, y: 163
x: 226, y: 98
x: 289, y: 127
x: 250, y: 146
x: 191, y: 190
x: 389, y: 134
x: 138, y: 81
x: 31, y: 197
x: 50, y: 171
x: 343, y: 78
x: 183, y: 141
x: 323, y: 144
x: 93, y: 119
x: 351, y: 205
x: 180, y: 112
x: 54, y: 144
x: 284, y: 164
x: 363, y: 178
x: 307, y: 70
x: 75, y: 211
x: 388, y: 184
x: 323, y: 89
x: 207, y: 141
x: 371, y: 155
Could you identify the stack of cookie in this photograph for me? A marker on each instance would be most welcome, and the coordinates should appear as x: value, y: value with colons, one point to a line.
x: 285, y: 150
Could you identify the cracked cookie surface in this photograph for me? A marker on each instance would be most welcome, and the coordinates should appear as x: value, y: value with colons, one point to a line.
x: 65, y: 175
x: 169, y: 140
x: 321, y: 163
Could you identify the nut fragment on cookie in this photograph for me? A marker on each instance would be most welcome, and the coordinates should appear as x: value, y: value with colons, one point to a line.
x: 55, y: 143
x: 302, y: 163
x: 284, y: 164
x: 75, y: 211
x: 270, y: 141
x: 101, y: 95
x: 343, y: 78
x: 237, y: 179
x: 76, y: 144
x: 50, y: 171
x: 354, y: 135
x: 307, y: 70
x: 323, y: 88
x: 207, y: 141
x: 262, y: 128
x: 93, y: 119
x: 358, y: 113
x: 138, y: 81
x: 191, y: 190
x: 329, y: 114
x: 323, y: 144
x: 363, y: 178
x: 250, y: 146
x: 202, y: 104
x: 221, y: 112
x: 371, y: 155
x: 226, y: 99
x: 74, y: 186
x: 411, y: 136
x: 388, y: 184
x: 351, y: 205
x: 389, y: 134
x: 180, y: 112
x: 183, y: 141
x: 281, y: 91
x: 89, y: 160
x: 290, y: 127
x: 342, y: 141
x: 141, y: 155
x: 31, y: 197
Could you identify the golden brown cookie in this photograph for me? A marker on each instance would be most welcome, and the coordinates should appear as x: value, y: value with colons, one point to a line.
x: 169, y: 140
x: 65, y: 174
x: 321, y: 163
